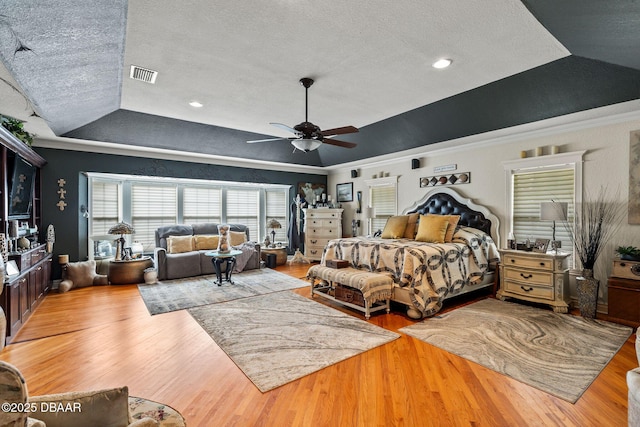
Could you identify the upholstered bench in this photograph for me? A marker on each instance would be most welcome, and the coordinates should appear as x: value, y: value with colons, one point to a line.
x: 340, y: 285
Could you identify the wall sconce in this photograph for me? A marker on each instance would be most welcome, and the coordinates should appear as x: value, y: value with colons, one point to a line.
x: 84, y: 211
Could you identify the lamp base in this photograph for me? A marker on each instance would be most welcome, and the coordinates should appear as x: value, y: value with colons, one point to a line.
x: 555, y: 245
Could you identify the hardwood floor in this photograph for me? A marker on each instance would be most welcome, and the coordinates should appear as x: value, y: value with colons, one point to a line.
x: 104, y: 337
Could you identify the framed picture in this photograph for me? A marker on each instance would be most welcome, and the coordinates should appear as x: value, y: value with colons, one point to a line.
x: 541, y: 246
x: 12, y: 268
x: 310, y: 191
x: 345, y: 192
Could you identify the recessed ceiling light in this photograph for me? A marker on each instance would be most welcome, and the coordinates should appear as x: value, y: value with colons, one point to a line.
x: 195, y: 104
x: 441, y: 63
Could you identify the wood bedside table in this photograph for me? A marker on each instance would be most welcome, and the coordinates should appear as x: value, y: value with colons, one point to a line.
x: 535, y: 277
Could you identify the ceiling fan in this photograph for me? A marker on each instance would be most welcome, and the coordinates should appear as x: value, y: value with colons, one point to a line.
x: 308, y: 136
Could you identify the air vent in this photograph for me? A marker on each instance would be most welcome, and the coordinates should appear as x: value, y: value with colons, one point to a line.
x: 143, y: 74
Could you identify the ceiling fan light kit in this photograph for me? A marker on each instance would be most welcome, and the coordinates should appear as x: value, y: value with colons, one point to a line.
x: 309, y: 136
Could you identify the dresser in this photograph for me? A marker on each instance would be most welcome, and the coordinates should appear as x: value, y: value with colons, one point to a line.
x: 320, y: 226
x: 624, y: 293
x: 535, y: 277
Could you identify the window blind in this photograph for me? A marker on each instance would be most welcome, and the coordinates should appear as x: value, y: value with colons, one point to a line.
x: 384, y: 200
x: 276, y: 208
x: 104, y: 206
x: 532, y: 188
x: 152, y: 206
x: 243, y: 207
x: 202, y: 204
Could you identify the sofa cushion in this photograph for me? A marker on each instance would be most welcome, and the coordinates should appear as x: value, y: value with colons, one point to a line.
x: 206, y: 242
x: 172, y: 230
x: 179, y: 244
x: 186, y: 264
x: 236, y: 238
x: 205, y: 228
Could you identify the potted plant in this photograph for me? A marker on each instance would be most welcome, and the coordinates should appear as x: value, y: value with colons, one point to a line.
x: 595, y: 223
x: 16, y: 127
x: 629, y: 253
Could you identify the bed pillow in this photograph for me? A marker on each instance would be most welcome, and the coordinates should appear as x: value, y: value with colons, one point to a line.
x: 453, y: 224
x: 179, y: 244
x: 432, y: 229
x: 206, y: 242
x: 394, y: 228
x: 412, y: 226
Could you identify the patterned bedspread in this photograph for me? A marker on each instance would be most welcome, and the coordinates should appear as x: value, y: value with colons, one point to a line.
x: 432, y: 270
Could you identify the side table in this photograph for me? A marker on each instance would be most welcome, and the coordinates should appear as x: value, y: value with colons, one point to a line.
x: 280, y: 253
x: 226, y: 258
x: 128, y: 272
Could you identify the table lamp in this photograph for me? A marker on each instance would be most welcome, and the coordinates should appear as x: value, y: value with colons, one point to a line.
x: 554, y: 211
x: 273, y: 224
x: 370, y: 213
x: 120, y: 228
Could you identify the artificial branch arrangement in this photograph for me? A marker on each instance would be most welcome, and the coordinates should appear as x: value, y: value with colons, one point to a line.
x: 596, y: 221
x: 16, y: 127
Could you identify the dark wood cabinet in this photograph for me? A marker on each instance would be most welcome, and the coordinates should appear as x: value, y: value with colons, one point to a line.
x: 624, y: 301
x: 23, y: 293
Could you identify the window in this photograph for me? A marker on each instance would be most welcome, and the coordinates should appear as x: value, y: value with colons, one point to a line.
x: 148, y: 203
x: 542, y: 179
x: 383, y: 197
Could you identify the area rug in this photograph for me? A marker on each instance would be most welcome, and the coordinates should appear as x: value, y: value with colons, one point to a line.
x: 179, y: 294
x: 280, y: 337
x: 560, y: 354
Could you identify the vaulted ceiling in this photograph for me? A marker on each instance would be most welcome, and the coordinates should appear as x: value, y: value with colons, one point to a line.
x: 67, y: 62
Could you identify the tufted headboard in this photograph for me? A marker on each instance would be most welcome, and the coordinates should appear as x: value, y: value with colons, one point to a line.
x: 445, y: 201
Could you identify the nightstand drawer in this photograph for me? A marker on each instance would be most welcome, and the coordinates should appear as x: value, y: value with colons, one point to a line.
x: 529, y: 290
x: 540, y: 278
x: 528, y: 262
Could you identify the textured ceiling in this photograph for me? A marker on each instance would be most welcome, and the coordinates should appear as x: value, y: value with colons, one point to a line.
x: 513, y: 62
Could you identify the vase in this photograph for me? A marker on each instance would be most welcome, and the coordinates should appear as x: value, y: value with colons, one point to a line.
x: 223, y: 239
x: 587, y: 287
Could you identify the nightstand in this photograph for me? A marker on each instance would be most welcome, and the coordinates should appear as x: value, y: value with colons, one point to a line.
x: 536, y: 277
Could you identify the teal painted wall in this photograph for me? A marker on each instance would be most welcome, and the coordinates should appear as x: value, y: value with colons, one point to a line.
x: 70, y: 166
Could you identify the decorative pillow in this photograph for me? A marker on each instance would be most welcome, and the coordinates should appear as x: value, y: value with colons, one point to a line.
x: 453, y: 224
x: 92, y: 408
x: 237, y: 237
x: 395, y: 226
x: 205, y: 242
x: 412, y: 226
x: 179, y: 244
x: 432, y: 229
x: 81, y: 273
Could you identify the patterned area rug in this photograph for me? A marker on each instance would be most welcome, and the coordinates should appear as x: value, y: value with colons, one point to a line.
x: 560, y: 354
x: 180, y: 294
x: 165, y: 415
x: 280, y: 337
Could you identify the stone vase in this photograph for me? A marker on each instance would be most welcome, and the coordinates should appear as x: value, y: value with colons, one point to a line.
x: 587, y: 287
x: 224, y: 246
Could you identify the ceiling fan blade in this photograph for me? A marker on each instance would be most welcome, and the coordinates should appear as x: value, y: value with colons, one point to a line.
x: 267, y: 140
x: 339, y: 143
x: 285, y: 127
x: 340, y: 131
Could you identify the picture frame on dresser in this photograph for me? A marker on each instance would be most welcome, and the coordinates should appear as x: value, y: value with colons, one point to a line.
x: 344, y: 192
x: 540, y: 246
x: 12, y: 269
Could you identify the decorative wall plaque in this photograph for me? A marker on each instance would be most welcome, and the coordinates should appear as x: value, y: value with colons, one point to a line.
x: 446, y: 179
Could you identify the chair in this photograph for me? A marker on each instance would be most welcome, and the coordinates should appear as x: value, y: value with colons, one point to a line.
x: 633, y: 383
x: 104, y: 408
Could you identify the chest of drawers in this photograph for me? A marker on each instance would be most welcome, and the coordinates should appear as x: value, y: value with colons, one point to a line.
x: 535, y: 277
x: 320, y: 226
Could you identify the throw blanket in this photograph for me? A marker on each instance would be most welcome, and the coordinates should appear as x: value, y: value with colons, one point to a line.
x: 432, y: 270
x: 248, y: 249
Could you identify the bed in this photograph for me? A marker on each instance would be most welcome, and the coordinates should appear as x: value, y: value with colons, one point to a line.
x: 426, y: 274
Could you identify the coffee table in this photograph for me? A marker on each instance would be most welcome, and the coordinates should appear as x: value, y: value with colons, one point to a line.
x: 227, y: 258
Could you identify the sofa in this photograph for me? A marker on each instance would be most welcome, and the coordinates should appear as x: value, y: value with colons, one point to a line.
x: 180, y: 249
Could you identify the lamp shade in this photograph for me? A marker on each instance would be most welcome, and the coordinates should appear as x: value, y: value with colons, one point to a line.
x: 553, y: 211
x: 273, y: 224
x: 121, y: 228
x: 370, y: 212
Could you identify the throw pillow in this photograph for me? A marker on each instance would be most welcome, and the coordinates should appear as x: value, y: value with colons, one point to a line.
x: 179, y: 244
x: 81, y: 273
x: 237, y: 238
x: 432, y: 229
x: 412, y: 226
x: 453, y: 224
x: 93, y: 408
x: 206, y: 242
x: 395, y: 227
